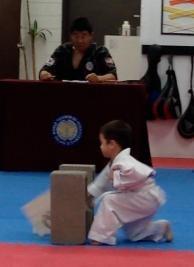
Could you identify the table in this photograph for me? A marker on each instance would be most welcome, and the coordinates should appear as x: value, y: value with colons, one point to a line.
x: 32, y: 118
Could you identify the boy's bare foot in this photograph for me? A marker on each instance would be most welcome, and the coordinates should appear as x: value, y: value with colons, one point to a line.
x: 168, y: 235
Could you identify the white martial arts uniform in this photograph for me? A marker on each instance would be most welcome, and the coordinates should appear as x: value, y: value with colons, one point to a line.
x: 129, y: 198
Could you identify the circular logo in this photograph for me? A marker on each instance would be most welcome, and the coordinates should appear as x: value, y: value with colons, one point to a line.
x: 67, y: 130
x: 89, y: 66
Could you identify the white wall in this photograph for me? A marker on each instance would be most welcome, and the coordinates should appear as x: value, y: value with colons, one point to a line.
x: 164, y: 138
x: 124, y: 50
x: 48, y: 13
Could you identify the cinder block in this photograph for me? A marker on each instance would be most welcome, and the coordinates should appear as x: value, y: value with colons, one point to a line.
x: 91, y: 172
x: 89, y: 168
x: 37, y: 211
x: 69, y: 215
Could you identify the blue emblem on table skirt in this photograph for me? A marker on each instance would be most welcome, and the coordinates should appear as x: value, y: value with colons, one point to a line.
x: 67, y: 130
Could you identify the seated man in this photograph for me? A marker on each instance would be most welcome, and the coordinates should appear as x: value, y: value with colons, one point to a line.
x: 80, y: 59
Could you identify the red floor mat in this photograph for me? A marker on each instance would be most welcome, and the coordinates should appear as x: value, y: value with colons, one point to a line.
x: 173, y: 163
x: 43, y: 256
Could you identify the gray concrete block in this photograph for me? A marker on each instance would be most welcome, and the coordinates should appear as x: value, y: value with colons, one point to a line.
x: 36, y: 211
x: 70, y: 219
x: 89, y: 168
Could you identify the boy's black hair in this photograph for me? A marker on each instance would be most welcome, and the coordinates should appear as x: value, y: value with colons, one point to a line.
x: 81, y: 24
x: 119, y: 131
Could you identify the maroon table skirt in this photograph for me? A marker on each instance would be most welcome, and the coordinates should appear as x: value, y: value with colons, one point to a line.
x: 44, y: 124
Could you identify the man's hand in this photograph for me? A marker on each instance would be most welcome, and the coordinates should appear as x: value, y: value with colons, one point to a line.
x: 93, y: 78
x: 46, y: 76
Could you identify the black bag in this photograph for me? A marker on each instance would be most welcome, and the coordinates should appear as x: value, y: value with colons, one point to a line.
x: 151, y: 78
x: 168, y: 104
x: 186, y: 123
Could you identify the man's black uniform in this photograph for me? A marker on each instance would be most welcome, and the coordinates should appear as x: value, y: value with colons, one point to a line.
x: 96, y: 60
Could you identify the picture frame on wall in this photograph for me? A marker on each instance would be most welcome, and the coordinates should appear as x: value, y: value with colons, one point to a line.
x: 177, y: 17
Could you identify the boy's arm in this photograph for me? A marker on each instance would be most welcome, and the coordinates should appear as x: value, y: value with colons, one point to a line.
x: 100, y: 184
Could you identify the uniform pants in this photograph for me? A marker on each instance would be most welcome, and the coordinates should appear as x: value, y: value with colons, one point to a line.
x: 131, y: 210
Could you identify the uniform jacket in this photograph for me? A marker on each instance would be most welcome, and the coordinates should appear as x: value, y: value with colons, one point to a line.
x: 124, y: 173
x: 96, y: 59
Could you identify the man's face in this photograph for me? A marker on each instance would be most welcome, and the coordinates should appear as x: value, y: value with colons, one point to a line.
x: 81, y: 40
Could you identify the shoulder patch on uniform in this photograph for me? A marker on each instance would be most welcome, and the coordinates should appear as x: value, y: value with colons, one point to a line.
x: 89, y: 66
x: 109, y: 61
x: 50, y: 62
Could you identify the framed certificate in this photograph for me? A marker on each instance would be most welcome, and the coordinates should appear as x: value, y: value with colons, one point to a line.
x: 177, y: 17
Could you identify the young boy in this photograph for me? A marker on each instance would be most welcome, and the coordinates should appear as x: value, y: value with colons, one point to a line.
x: 128, y: 193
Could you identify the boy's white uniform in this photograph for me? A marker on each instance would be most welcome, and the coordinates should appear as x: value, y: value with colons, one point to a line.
x: 129, y: 198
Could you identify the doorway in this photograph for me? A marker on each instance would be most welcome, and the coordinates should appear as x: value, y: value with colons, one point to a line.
x: 10, y: 36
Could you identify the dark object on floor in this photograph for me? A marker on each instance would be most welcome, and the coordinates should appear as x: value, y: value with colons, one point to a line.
x: 152, y: 79
x: 186, y: 123
x: 168, y: 104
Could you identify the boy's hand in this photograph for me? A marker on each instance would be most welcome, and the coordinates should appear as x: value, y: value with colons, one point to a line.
x: 89, y: 201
